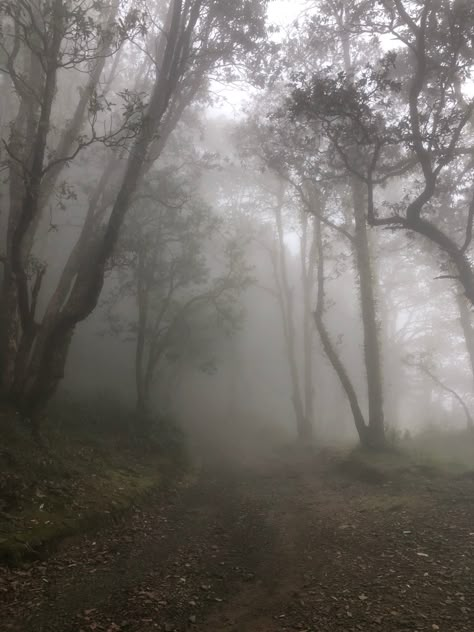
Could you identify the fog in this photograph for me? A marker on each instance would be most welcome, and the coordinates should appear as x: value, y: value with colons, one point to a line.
x: 259, y: 228
x: 236, y: 315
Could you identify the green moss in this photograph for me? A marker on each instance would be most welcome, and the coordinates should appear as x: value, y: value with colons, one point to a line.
x: 55, y: 500
x: 35, y: 531
x: 82, y: 475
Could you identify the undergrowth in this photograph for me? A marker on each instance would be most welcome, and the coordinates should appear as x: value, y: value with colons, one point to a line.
x: 431, y: 454
x: 90, y: 466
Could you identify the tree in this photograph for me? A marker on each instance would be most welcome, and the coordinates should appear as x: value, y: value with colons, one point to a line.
x: 40, y: 41
x: 302, y: 389
x: 281, y: 144
x: 182, y: 300
x: 191, y: 42
x: 407, y: 116
x: 330, y: 348
x: 465, y: 318
x: 424, y: 365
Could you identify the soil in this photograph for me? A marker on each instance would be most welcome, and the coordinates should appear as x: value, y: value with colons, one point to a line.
x: 289, y: 543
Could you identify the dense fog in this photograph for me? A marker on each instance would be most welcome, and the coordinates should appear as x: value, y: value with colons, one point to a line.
x: 251, y: 224
x: 236, y: 315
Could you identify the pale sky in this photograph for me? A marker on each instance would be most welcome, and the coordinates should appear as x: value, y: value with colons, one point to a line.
x: 283, y: 12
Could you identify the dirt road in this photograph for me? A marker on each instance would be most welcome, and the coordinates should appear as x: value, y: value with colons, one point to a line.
x: 291, y: 544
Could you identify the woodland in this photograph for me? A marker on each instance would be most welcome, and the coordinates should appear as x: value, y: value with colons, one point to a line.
x: 236, y: 234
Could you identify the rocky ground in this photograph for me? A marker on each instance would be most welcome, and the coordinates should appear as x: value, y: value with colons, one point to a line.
x: 291, y: 543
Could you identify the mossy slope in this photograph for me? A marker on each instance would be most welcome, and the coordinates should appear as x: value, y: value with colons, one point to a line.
x: 66, y: 486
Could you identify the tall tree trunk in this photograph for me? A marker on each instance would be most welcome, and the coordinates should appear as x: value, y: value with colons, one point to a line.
x: 141, y: 381
x: 328, y: 346
x: 33, y: 122
x: 286, y: 302
x: 308, y: 262
x: 465, y: 317
x: 393, y: 388
x: 376, y: 428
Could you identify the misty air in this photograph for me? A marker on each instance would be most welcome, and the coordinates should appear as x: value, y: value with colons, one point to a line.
x: 236, y: 315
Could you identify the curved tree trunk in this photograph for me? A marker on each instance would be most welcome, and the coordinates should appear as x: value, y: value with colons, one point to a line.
x: 329, y: 347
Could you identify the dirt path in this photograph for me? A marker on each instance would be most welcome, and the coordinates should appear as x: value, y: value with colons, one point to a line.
x: 286, y: 546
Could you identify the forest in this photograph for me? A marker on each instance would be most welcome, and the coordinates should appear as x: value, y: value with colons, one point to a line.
x: 236, y: 315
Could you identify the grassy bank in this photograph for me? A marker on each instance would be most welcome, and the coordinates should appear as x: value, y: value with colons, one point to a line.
x: 76, y: 480
x: 431, y: 455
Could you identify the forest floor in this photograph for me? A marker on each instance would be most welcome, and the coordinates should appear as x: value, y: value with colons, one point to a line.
x: 290, y: 542
x: 69, y: 483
